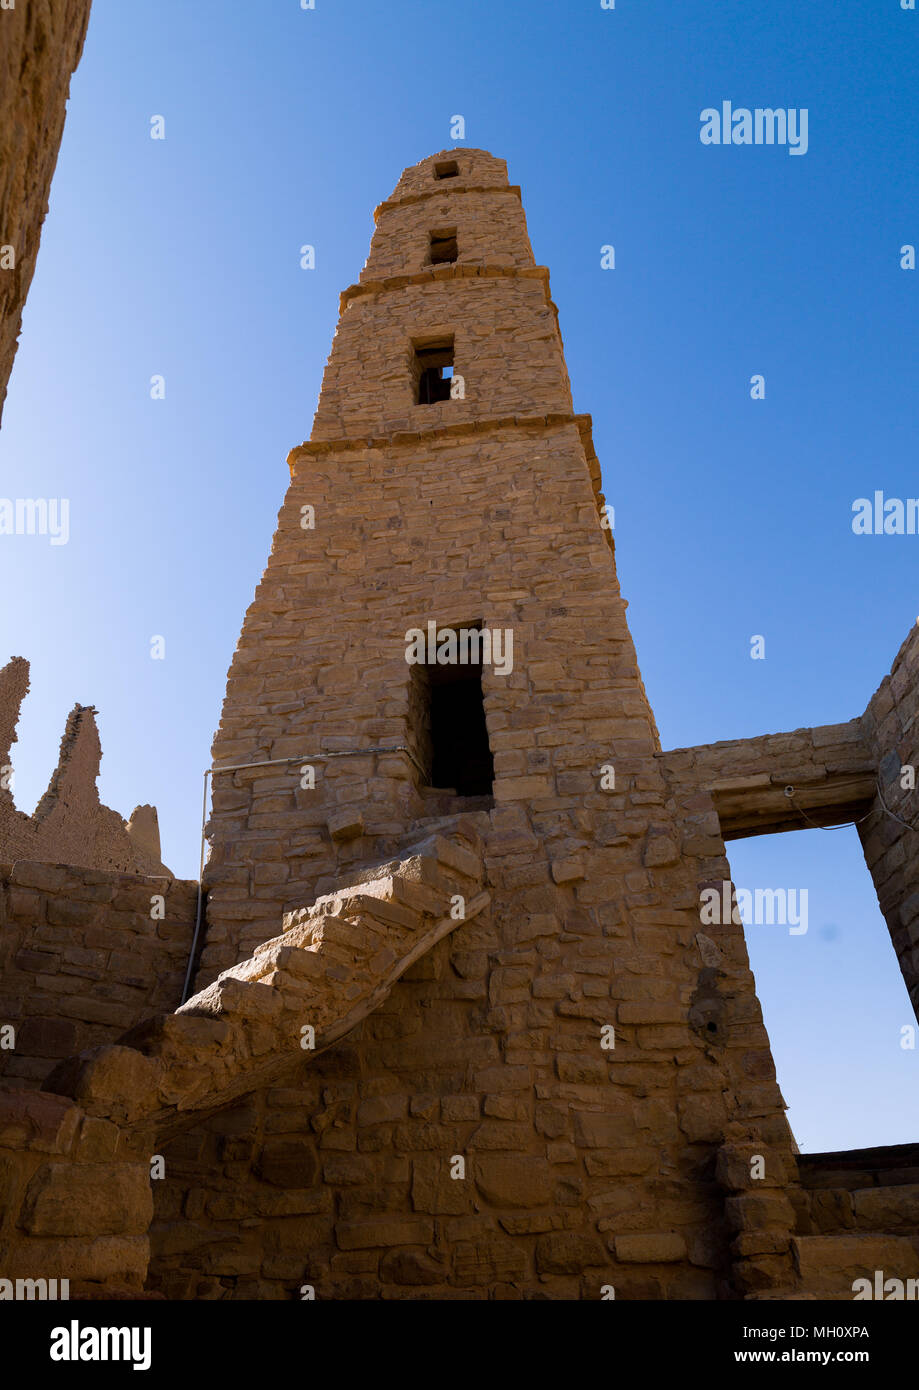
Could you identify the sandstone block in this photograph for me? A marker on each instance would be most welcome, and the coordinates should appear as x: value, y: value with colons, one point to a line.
x: 36, y: 1120
x: 346, y: 824
x: 568, y: 1252
x: 488, y: 1260
x: 88, y: 1199
x: 433, y: 1189
x: 385, y: 1230
x: 513, y: 1182
x: 290, y: 1162
x: 604, y: 1130
x: 663, y: 1247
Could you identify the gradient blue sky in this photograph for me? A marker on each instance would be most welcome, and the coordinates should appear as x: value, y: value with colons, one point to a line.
x: 733, y: 517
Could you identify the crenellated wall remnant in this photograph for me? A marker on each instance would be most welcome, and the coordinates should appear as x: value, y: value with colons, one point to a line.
x: 70, y: 825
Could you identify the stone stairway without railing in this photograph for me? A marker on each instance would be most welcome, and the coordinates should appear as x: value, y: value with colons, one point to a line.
x: 75, y: 1157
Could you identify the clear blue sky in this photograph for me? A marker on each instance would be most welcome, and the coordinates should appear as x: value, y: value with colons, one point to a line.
x: 181, y: 257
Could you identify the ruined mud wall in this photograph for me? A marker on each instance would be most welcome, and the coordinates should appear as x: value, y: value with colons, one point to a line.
x: 69, y: 825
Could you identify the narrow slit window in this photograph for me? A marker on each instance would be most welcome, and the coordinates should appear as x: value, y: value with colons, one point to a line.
x: 446, y: 170
x: 443, y: 250
x: 433, y: 366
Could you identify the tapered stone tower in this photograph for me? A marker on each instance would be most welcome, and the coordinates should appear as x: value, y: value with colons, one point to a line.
x: 600, y: 1068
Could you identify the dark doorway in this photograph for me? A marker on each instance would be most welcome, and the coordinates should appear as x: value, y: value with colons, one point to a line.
x: 447, y: 728
x: 460, y: 755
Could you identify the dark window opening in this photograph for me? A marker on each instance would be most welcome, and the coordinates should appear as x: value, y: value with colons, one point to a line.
x: 443, y: 247
x: 447, y: 170
x: 449, y: 730
x: 434, y: 370
x: 460, y: 755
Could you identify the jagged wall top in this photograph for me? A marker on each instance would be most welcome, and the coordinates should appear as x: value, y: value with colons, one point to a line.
x: 70, y: 825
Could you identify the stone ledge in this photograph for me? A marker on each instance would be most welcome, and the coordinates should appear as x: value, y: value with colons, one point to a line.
x: 433, y: 275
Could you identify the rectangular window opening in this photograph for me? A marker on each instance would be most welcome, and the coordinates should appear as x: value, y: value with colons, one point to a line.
x: 820, y: 951
x: 448, y: 728
x: 433, y: 370
x: 443, y: 249
x: 448, y: 169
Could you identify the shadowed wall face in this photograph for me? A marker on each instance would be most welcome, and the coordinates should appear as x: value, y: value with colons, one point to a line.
x: 889, y: 837
x: 40, y: 46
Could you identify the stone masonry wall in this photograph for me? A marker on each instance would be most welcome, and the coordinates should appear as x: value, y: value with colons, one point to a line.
x: 40, y: 46
x: 82, y: 959
x: 586, y: 1165
x: 494, y: 229
x: 889, y: 836
x: 784, y: 781
x: 333, y: 963
x: 298, y: 682
x: 862, y: 771
x: 368, y: 385
x: 475, y: 169
x: 75, y: 1198
x: 584, y: 1168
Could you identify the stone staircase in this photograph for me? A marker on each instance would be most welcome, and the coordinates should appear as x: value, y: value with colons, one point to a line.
x: 333, y: 964
x: 74, y: 1158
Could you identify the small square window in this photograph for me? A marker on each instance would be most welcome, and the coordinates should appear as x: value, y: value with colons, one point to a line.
x: 443, y: 249
x: 447, y: 170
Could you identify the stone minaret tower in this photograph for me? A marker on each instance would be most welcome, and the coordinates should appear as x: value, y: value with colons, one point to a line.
x: 600, y: 1065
